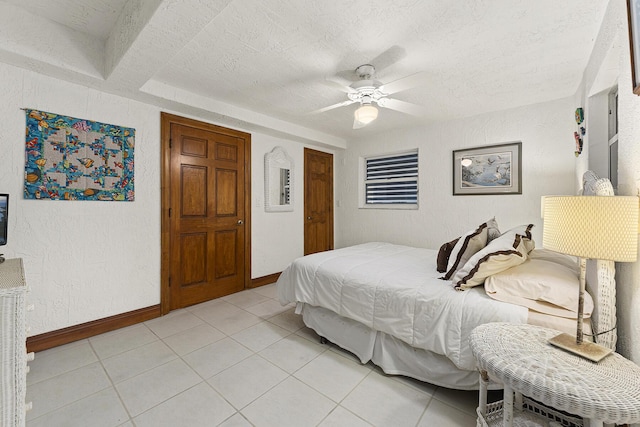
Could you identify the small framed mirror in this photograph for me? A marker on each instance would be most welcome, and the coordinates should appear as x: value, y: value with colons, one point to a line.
x: 278, y: 181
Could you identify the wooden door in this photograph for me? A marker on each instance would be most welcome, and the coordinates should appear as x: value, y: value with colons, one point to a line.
x: 208, y: 210
x: 318, y: 201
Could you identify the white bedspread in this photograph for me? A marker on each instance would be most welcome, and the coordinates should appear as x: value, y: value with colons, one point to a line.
x: 395, y: 289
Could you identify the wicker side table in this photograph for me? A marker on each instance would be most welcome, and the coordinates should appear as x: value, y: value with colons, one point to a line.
x: 520, y: 357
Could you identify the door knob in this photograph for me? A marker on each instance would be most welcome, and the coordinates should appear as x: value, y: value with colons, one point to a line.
x: 240, y: 222
x: 309, y: 217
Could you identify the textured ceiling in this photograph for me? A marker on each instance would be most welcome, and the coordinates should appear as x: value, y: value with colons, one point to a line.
x: 94, y: 17
x: 273, y: 57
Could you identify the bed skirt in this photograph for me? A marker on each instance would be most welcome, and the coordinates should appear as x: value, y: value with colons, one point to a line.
x: 393, y: 356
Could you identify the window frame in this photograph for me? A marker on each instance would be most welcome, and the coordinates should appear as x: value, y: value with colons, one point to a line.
x: 363, y: 182
x: 613, y: 137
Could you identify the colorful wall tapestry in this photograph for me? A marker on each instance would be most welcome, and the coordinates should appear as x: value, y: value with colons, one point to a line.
x: 76, y: 159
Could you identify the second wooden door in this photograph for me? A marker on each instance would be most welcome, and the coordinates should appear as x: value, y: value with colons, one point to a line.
x: 318, y: 201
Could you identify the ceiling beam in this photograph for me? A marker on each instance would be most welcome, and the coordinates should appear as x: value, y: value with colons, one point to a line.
x: 36, y: 43
x: 227, y: 114
x: 148, y: 33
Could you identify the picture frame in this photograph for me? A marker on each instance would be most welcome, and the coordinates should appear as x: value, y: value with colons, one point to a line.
x: 633, y: 15
x: 488, y: 170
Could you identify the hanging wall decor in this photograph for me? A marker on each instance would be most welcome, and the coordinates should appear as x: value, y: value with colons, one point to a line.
x: 75, y: 159
x: 577, y: 136
x: 491, y: 169
x: 578, y: 140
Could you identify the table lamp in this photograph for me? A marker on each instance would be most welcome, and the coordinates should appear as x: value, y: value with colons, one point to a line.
x: 595, y: 227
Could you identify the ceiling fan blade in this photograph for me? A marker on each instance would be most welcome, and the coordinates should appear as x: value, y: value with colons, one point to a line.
x: 348, y: 75
x: 402, y: 106
x: 388, y: 57
x: 405, y: 83
x: 332, y: 82
x: 385, y: 59
x: 331, y: 107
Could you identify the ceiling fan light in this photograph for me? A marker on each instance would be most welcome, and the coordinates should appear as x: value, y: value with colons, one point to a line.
x: 366, y: 114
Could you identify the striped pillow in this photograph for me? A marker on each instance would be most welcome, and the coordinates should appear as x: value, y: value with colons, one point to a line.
x: 467, y: 245
x: 501, y: 254
x: 443, y: 255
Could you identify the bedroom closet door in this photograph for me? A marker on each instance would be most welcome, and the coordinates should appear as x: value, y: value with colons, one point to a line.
x: 208, y: 213
x: 318, y: 201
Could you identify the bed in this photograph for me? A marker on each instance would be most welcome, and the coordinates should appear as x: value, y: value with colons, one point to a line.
x: 389, y: 304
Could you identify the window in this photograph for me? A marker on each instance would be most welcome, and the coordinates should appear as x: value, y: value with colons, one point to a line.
x: 613, y: 137
x: 391, y: 180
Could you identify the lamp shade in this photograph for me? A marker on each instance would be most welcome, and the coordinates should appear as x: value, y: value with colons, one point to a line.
x: 366, y: 114
x: 596, y: 227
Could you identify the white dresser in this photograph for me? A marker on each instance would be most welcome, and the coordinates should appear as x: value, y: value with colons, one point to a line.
x: 13, y: 336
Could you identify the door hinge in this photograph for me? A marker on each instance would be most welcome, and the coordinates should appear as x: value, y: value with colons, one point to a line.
x: 170, y: 143
x: 169, y: 281
x: 169, y: 212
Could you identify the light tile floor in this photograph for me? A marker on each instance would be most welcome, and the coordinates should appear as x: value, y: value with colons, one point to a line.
x: 241, y: 360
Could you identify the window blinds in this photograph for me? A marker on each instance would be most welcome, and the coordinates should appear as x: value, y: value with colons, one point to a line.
x: 392, y: 179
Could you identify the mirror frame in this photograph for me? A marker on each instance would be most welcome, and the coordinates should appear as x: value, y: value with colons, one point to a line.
x: 277, y: 158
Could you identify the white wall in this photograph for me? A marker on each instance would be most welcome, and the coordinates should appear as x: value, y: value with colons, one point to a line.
x: 89, y: 260
x: 546, y: 132
x: 597, y: 116
x: 277, y: 237
x: 83, y: 260
x: 613, y: 41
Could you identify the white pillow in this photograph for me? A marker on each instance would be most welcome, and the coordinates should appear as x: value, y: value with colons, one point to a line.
x: 501, y: 254
x: 470, y: 243
x: 524, y: 230
x: 541, y: 285
x: 551, y: 256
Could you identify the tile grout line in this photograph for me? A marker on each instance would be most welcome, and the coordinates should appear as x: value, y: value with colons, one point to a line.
x: 113, y: 385
x: 269, y: 320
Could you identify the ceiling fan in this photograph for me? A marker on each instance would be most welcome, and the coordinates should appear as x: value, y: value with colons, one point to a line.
x: 369, y: 92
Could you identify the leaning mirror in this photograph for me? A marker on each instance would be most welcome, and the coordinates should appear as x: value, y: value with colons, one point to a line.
x: 278, y: 181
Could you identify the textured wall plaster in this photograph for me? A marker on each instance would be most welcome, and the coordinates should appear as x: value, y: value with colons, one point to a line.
x: 628, y: 278
x: 89, y: 260
x: 547, y: 168
x: 277, y: 237
x: 83, y: 260
x: 613, y: 36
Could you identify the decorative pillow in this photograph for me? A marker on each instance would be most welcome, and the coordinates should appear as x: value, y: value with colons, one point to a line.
x: 592, y: 185
x: 492, y: 230
x: 523, y: 230
x: 541, y: 285
x: 467, y: 245
x: 501, y: 254
x: 444, y: 253
x: 589, y: 179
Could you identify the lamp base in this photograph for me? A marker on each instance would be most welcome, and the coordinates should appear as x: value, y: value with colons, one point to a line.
x: 587, y: 350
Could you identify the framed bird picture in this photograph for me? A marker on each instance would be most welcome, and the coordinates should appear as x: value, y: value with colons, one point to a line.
x: 491, y: 169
